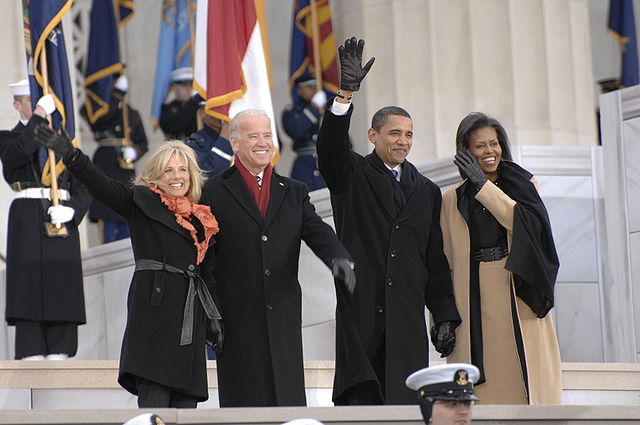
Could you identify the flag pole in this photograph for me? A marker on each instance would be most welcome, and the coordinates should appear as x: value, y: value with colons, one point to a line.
x: 56, y: 230
x: 126, y: 130
x: 315, y: 40
x: 52, y: 157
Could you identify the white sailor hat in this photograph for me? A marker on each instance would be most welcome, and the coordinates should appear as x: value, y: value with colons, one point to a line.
x: 145, y: 419
x: 306, y: 80
x: 303, y: 421
x: 21, y: 88
x: 180, y: 75
x: 453, y: 381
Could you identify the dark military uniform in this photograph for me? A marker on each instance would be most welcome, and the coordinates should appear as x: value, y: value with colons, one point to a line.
x: 108, y: 130
x: 44, y: 274
x: 214, y: 152
x: 178, y: 120
x: 301, y: 123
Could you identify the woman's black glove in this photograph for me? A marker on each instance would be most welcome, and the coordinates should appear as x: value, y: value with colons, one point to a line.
x: 342, y: 268
x: 59, y: 143
x: 351, y: 70
x: 214, y: 334
x: 443, y: 338
x: 469, y: 167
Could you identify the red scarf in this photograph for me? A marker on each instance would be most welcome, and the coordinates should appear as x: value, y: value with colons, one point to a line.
x: 183, y: 208
x: 260, y: 195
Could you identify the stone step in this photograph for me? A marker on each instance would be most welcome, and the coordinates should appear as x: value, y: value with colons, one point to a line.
x: 365, y: 415
x: 92, y: 384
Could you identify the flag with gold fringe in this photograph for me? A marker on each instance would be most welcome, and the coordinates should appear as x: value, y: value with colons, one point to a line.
x: 313, y: 46
x: 104, y: 61
x: 42, y: 21
x: 231, y: 68
x: 623, y: 27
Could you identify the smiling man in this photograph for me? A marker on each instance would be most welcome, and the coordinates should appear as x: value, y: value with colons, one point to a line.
x: 387, y: 215
x: 263, y: 217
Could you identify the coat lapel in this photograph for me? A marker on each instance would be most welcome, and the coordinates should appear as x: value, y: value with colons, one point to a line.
x: 153, y: 208
x: 278, y: 190
x: 418, y: 195
x: 238, y: 189
x: 382, y: 188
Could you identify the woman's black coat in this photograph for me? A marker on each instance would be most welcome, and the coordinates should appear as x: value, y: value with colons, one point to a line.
x: 151, y: 345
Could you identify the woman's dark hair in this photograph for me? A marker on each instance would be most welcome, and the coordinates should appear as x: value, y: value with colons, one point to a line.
x: 475, y: 121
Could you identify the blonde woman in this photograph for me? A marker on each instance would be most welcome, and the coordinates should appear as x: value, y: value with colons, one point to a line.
x: 163, y: 357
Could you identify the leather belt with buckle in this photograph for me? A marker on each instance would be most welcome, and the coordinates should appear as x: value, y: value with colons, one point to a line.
x: 490, y: 254
x: 41, y: 193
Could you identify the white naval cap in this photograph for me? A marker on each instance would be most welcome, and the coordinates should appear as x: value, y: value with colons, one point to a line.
x: 447, y: 381
x: 303, y: 421
x: 21, y: 88
x: 181, y: 74
x: 145, y: 419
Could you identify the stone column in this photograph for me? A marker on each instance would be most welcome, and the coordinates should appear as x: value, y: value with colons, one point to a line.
x: 527, y: 63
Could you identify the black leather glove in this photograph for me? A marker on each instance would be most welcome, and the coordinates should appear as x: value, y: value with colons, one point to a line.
x: 443, y: 338
x: 351, y: 70
x: 469, y: 167
x: 342, y: 268
x: 214, y: 335
x: 59, y: 143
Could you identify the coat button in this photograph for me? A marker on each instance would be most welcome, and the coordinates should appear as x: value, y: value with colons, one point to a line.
x: 389, y: 282
x: 158, y: 289
x: 269, y: 307
x: 393, y: 253
x: 397, y: 226
x: 264, y: 238
x: 191, y: 267
x: 267, y: 272
x: 379, y: 309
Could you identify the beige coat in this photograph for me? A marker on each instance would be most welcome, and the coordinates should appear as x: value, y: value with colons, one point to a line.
x: 504, y: 381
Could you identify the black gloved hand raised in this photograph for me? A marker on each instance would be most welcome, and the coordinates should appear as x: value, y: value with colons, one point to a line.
x: 351, y: 70
x: 342, y: 268
x: 59, y: 143
x: 214, y: 334
x: 469, y: 167
x: 443, y: 338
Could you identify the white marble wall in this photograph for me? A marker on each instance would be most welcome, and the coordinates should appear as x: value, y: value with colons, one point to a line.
x: 620, y: 123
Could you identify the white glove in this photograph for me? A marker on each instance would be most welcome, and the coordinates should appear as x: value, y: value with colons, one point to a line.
x: 122, y: 83
x: 319, y: 99
x: 129, y: 153
x: 46, y: 103
x: 60, y: 214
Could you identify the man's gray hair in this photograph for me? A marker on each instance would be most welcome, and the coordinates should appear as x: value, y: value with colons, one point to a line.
x: 234, y: 127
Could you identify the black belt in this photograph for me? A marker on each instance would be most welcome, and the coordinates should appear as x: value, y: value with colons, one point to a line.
x: 18, y: 186
x: 490, y: 254
x: 196, y: 286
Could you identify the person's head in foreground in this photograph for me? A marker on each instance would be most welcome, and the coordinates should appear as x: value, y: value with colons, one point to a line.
x: 445, y: 392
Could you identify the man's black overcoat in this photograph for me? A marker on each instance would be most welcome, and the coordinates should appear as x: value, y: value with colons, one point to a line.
x: 400, y: 266
x: 257, y: 284
x: 151, y: 344
x: 44, y: 274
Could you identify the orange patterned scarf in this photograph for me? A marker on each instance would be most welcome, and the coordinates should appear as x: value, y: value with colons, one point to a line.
x: 183, y: 208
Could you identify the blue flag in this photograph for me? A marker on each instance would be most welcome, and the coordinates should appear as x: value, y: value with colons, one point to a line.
x: 43, y: 33
x: 175, y: 49
x: 103, y: 56
x: 622, y: 25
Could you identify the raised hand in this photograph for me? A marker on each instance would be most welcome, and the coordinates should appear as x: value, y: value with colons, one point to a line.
x: 351, y: 71
x: 59, y: 143
x: 469, y: 167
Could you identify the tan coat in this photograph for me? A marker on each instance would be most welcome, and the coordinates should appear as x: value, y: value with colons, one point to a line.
x: 504, y: 381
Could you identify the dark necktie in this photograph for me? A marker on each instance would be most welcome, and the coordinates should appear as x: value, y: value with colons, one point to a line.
x: 395, y: 174
x: 259, y: 179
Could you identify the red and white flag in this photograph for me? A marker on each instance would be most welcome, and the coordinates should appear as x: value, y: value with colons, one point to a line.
x: 230, y: 66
